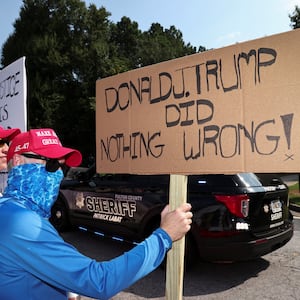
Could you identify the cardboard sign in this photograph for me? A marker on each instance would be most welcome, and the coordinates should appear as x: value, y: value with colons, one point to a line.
x: 13, y: 95
x: 234, y: 109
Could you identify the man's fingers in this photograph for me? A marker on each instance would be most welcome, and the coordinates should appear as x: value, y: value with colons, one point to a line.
x: 185, y: 207
x: 177, y: 222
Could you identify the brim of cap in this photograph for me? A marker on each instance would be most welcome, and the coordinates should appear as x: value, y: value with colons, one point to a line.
x: 73, y: 158
x: 9, y: 133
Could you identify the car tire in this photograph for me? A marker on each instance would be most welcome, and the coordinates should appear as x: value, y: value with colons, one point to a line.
x: 59, y: 216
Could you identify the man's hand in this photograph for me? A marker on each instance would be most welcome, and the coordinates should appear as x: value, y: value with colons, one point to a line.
x: 177, y: 222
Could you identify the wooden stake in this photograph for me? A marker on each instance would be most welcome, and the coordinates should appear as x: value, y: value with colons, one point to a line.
x: 175, y: 258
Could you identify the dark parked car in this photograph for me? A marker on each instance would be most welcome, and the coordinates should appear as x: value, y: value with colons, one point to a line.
x: 236, y: 217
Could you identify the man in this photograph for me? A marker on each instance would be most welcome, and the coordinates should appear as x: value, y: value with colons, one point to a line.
x: 6, y: 135
x: 35, y: 262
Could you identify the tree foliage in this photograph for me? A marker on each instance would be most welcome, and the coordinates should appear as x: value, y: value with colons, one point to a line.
x: 295, y: 18
x: 68, y: 46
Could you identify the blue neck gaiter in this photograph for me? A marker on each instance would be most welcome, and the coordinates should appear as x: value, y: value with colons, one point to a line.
x: 34, y: 187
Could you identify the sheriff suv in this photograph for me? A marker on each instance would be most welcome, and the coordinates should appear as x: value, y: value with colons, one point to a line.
x: 235, y: 217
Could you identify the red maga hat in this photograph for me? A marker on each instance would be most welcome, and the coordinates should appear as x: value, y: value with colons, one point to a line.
x: 9, y: 133
x: 46, y: 143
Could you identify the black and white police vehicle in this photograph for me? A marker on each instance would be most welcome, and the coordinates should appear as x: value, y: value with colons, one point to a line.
x: 236, y: 217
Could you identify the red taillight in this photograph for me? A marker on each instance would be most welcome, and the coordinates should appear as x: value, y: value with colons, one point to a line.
x: 238, y: 205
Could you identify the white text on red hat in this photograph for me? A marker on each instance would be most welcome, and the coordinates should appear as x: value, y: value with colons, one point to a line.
x: 21, y: 147
x: 46, y: 133
x: 47, y: 142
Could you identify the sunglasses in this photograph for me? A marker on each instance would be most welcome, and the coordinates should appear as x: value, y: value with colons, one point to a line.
x: 52, y: 165
x: 4, y: 142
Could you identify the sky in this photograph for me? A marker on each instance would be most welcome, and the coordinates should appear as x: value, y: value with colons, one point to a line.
x: 208, y: 23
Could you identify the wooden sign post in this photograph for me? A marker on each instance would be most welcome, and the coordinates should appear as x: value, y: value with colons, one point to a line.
x: 175, y: 259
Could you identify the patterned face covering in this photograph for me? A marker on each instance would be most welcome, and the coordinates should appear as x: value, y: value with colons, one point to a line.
x: 34, y: 187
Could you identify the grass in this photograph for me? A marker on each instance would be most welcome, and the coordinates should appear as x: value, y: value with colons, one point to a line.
x: 294, y: 194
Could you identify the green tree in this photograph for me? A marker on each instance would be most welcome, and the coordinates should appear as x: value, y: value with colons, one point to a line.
x: 134, y: 48
x: 126, y: 36
x: 68, y: 46
x: 159, y: 44
x: 295, y: 18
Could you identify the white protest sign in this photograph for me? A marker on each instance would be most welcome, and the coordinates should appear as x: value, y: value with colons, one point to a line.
x: 13, y: 95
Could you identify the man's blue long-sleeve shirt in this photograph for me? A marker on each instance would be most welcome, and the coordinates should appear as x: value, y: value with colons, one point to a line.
x: 36, y: 263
